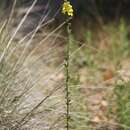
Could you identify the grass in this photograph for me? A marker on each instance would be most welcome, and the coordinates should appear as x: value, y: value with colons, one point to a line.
x: 27, y: 93
x: 96, y: 65
x: 30, y: 90
x: 122, y: 98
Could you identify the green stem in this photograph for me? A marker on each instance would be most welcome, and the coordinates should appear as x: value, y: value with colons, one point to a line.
x: 67, y: 60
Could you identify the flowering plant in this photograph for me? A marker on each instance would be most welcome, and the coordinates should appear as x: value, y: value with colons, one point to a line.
x: 67, y: 8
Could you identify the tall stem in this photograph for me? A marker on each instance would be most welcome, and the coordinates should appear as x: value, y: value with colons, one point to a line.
x: 67, y: 61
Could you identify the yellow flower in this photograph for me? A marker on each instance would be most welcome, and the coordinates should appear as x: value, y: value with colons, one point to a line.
x: 67, y: 8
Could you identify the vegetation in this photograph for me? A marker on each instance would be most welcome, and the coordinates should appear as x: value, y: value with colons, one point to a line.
x: 50, y: 80
x: 122, y: 105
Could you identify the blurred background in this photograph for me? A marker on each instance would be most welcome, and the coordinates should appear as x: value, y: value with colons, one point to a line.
x: 108, y: 10
x: 89, y: 13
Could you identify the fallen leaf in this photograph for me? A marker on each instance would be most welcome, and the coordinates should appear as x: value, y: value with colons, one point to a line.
x: 108, y: 74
